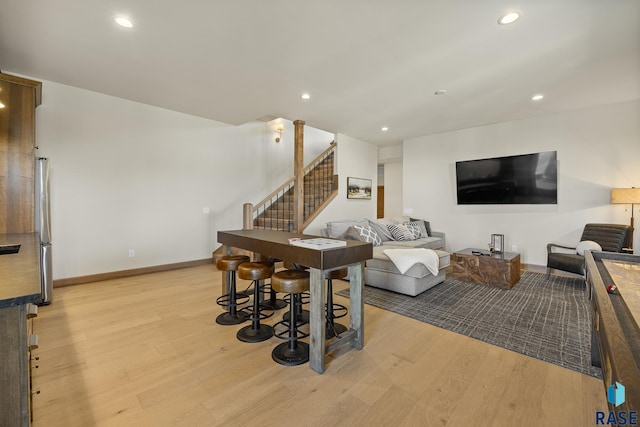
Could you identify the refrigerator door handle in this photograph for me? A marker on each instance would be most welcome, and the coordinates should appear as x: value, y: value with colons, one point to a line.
x: 46, y: 274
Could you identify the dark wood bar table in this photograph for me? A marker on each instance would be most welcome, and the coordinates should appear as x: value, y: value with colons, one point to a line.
x: 275, y: 244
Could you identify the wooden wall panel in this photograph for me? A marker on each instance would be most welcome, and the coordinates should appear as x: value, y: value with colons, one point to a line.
x: 17, y: 143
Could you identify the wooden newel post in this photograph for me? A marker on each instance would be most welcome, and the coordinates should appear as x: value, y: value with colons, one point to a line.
x: 247, y: 216
x: 298, y: 171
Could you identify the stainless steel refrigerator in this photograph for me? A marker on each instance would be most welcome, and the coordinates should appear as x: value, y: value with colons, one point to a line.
x: 43, y: 227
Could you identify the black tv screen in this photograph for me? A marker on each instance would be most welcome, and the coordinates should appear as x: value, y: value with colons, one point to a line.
x: 524, y: 179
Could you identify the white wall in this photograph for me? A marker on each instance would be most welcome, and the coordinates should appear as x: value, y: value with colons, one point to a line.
x: 393, y: 189
x: 125, y: 175
x: 598, y: 149
x: 356, y: 159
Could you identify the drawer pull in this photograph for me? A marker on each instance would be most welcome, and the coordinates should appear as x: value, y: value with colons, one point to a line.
x: 32, y: 311
x: 33, y: 342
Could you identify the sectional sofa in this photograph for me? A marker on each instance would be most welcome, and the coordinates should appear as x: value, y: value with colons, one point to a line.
x: 390, y: 233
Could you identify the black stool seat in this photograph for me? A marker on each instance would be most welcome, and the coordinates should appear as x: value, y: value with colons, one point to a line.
x: 255, y: 271
x: 231, y: 300
x: 333, y: 310
x: 293, y: 352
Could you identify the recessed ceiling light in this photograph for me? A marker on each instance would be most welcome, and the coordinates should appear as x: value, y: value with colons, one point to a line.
x: 124, y: 22
x: 537, y: 97
x: 384, y: 128
x: 440, y: 92
x: 305, y: 96
x: 1, y: 105
x: 509, y: 18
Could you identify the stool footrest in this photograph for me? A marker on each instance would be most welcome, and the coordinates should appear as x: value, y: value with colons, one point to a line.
x: 225, y: 300
x: 285, y: 334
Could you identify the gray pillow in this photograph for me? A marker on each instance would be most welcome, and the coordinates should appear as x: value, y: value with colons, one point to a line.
x: 427, y: 226
x: 418, y: 229
x: 382, y: 229
x: 351, y: 234
x: 368, y: 234
x: 336, y: 229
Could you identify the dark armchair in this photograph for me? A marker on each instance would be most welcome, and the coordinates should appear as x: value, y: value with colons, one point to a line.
x: 610, y: 237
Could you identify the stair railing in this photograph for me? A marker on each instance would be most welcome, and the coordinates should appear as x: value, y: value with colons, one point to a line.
x: 276, y: 210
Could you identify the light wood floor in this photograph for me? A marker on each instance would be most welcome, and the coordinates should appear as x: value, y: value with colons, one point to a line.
x: 146, y: 351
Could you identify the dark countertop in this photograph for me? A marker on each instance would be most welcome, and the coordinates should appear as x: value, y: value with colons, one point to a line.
x: 20, y: 272
x: 275, y: 244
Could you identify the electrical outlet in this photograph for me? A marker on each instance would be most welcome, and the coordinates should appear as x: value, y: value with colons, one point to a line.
x: 514, y: 248
x: 132, y: 253
x: 205, y: 210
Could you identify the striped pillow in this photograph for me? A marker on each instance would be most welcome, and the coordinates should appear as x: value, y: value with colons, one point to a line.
x: 401, y: 232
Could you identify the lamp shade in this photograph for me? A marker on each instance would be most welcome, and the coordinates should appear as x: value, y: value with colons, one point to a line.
x: 625, y: 195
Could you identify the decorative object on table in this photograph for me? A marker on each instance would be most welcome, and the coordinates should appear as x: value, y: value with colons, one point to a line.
x: 497, y: 243
x: 358, y: 188
x: 626, y: 196
x: 319, y: 243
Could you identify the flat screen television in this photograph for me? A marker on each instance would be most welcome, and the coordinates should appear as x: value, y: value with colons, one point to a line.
x: 529, y: 179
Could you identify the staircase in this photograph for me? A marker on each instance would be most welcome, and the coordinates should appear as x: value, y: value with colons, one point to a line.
x: 276, y: 211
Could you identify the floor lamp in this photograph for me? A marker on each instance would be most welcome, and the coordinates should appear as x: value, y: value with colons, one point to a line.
x: 626, y: 196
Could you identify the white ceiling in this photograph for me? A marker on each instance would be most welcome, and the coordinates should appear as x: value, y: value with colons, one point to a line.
x: 366, y: 63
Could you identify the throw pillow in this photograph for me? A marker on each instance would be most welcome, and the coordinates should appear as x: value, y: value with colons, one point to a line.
x: 587, y: 245
x: 368, y: 234
x: 418, y: 229
x: 336, y: 229
x: 427, y: 225
x: 351, y: 234
x: 382, y: 229
x: 398, y: 219
x: 401, y: 232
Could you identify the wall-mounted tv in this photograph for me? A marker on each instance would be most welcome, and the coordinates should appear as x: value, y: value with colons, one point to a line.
x: 529, y: 179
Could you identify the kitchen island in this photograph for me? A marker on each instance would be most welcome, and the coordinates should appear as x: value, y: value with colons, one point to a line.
x: 19, y: 289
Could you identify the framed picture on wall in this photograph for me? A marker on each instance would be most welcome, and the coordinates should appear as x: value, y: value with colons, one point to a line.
x: 358, y: 188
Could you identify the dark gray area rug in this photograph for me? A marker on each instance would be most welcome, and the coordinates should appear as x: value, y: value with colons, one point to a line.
x: 545, y: 319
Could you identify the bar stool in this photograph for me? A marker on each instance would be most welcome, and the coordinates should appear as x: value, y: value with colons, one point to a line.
x: 231, y: 300
x: 273, y: 302
x: 333, y: 310
x: 302, y: 315
x: 255, y: 271
x: 293, y: 352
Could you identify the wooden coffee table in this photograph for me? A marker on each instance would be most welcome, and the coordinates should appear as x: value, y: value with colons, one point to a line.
x: 481, y: 266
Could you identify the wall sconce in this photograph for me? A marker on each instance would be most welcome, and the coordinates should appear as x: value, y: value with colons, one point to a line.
x: 279, y: 129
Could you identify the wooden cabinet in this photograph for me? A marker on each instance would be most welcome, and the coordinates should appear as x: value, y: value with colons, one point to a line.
x: 20, y: 279
x: 19, y: 98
